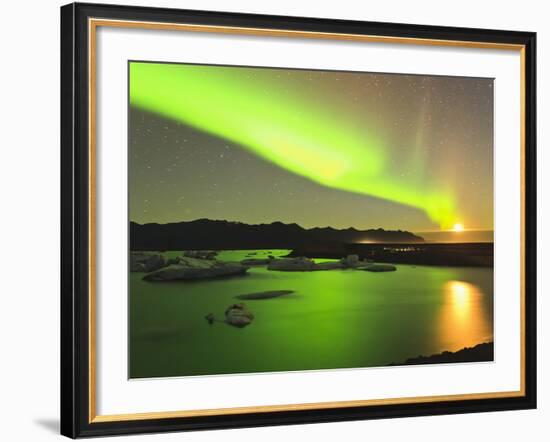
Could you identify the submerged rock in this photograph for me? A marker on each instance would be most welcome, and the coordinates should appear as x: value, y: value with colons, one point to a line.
x: 265, y: 295
x: 238, y: 315
x: 380, y: 268
x: 192, y: 269
x: 146, y: 261
x: 200, y: 254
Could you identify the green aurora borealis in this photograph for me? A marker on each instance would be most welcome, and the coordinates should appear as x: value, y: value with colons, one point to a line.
x: 397, y: 151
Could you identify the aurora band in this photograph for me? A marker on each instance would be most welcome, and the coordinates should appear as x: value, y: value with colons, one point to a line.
x: 286, y: 130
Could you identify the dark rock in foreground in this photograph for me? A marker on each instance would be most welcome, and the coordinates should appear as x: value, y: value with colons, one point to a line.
x: 146, y: 261
x: 193, y: 269
x: 380, y: 268
x: 478, y: 353
x: 238, y: 315
x: 265, y: 295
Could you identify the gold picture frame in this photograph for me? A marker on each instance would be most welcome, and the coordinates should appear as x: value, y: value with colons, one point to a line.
x: 80, y: 24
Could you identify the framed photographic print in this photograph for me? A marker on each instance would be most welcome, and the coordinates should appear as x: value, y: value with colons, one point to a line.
x: 274, y: 220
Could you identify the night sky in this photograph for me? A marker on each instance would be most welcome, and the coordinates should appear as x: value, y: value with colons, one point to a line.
x: 318, y: 148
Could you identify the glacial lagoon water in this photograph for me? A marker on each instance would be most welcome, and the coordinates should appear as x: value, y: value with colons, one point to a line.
x: 334, y: 319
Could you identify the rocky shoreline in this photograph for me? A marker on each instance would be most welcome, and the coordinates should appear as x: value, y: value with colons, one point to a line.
x: 432, y: 254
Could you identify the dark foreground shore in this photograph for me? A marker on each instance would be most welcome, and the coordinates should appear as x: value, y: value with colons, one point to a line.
x: 479, y: 353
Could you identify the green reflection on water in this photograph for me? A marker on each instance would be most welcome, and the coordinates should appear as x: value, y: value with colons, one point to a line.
x: 334, y: 319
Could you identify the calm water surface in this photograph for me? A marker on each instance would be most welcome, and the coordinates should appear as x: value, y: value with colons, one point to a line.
x: 334, y: 319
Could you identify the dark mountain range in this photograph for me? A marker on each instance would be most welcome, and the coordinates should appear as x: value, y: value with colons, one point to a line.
x: 227, y: 235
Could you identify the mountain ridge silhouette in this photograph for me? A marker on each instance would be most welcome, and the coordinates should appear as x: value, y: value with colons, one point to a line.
x: 205, y: 233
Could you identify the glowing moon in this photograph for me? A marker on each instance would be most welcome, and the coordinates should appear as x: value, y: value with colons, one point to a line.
x: 458, y: 227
